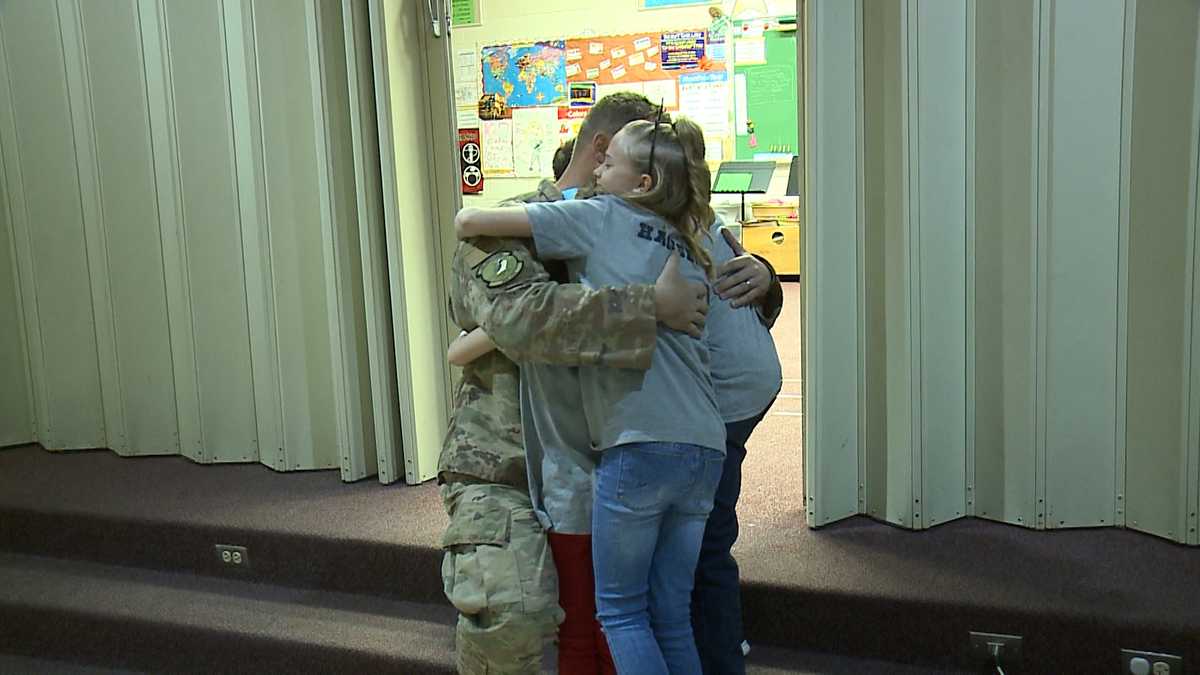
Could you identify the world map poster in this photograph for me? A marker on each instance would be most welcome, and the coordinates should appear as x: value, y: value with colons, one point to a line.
x: 526, y: 75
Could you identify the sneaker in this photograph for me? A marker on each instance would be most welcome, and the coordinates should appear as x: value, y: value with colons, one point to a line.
x: 745, y: 648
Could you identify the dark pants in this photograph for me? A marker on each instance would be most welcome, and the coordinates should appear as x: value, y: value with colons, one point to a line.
x: 717, y: 597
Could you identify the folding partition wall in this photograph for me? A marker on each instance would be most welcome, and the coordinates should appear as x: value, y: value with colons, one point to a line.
x: 1001, y: 255
x: 185, y: 228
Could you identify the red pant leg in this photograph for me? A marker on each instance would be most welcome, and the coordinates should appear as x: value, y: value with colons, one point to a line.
x: 582, y: 649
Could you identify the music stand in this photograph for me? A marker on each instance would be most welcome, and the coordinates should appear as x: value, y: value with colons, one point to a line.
x: 743, y: 178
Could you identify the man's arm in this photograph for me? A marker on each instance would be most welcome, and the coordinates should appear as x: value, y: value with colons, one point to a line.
x: 770, y: 305
x: 750, y: 279
x: 504, y: 289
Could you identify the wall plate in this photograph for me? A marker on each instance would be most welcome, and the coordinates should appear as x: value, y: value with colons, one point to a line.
x: 1009, y: 645
x: 235, y: 557
x: 1150, y: 663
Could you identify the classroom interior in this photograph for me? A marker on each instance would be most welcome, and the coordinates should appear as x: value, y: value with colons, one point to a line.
x: 733, y: 67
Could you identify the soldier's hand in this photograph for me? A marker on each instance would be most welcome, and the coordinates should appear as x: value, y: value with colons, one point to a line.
x: 678, y: 303
x: 744, y: 279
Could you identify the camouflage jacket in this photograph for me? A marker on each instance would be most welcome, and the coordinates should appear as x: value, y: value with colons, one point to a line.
x: 500, y: 285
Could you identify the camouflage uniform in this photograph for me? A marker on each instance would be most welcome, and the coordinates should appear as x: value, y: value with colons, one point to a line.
x: 498, y: 571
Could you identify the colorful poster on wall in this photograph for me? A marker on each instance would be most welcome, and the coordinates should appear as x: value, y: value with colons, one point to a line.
x: 583, y: 94
x: 526, y: 75
x: 569, y: 121
x: 493, y: 107
x: 683, y: 49
x: 534, y: 138
x: 637, y: 57
x: 470, y: 157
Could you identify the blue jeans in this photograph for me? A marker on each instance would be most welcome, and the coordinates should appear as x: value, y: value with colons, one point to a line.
x: 652, y: 500
x: 717, y: 598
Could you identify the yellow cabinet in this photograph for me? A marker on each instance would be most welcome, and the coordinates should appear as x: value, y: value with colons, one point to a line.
x: 778, y: 242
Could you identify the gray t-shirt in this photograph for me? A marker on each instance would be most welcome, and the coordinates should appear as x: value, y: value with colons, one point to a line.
x: 745, y: 366
x: 558, y: 449
x: 609, y: 242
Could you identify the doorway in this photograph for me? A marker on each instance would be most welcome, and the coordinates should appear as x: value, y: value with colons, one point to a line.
x: 727, y: 65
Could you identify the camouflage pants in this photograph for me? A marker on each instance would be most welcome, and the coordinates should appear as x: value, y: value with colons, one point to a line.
x: 499, y: 574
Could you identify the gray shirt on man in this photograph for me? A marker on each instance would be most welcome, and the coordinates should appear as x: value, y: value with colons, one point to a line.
x: 745, y: 366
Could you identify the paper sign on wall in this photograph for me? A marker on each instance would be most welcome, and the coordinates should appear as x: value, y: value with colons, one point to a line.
x: 637, y: 59
x: 739, y: 105
x: 705, y: 98
x: 661, y: 90
x: 467, y: 78
x: 749, y: 51
x: 464, y: 13
x: 535, y: 138
x: 468, y: 116
x: 603, y: 90
x: 714, y: 150
x: 569, y: 122
x: 497, y: 147
x: 683, y: 49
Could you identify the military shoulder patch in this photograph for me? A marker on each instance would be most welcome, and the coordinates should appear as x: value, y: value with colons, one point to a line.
x: 499, y: 268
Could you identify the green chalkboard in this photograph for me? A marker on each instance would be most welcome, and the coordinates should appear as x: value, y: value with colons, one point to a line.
x: 771, y: 98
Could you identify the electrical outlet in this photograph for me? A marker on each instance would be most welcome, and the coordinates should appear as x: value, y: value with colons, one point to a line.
x: 1150, y: 663
x: 996, y: 648
x: 233, y: 556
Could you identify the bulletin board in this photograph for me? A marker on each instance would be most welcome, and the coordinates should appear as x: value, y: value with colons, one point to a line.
x: 547, y: 88
x: 638, y: 57
x: 765, y: 93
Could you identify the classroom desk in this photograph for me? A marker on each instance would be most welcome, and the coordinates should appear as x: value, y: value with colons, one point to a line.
x: 777, y: 240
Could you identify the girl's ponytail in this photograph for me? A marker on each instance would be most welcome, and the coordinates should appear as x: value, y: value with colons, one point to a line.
x: 698, y: 212
x: 681, y: 181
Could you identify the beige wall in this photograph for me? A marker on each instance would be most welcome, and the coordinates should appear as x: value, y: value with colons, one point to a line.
x: 185, y: 230
x: 16, y: 403
x: 1161, y: 233
x: 1002, y: 263
x: 1005, y: 152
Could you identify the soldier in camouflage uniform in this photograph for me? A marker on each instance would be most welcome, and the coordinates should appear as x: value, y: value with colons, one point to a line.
x: 498, y: 570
